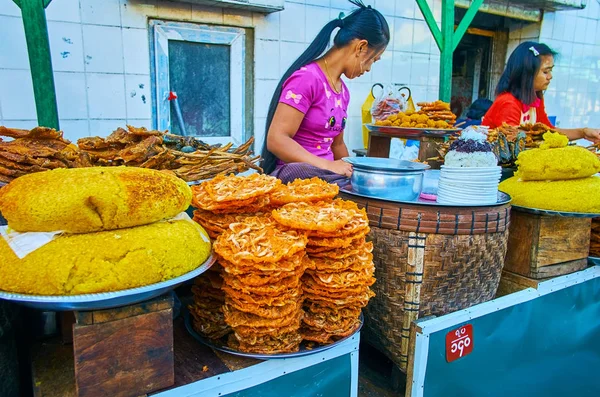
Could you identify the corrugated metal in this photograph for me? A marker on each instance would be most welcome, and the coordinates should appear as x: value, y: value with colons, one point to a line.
x: 525, y: 10
x: 266, y: 6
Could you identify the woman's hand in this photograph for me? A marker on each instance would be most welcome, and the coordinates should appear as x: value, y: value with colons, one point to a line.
x: 340, y: 167
x: 591, y: 134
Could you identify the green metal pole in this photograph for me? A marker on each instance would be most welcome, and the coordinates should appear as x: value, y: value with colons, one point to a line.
x: 466, y: 21
x: 447, y: 50
x: 431, y: 23
x: 40, y: 61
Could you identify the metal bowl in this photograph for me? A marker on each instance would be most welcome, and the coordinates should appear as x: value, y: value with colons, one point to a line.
x: 387, y: 178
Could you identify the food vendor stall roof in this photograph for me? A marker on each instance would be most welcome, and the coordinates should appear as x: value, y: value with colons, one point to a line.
x: 525, y: 10
x: 266, y: 6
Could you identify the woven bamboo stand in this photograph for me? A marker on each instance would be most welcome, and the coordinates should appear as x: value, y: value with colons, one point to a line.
x: 429, y: 261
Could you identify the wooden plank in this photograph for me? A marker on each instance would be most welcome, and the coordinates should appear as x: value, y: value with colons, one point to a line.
x: 103, y: 316
x: 562, y: 240
x: 379, y: 145
x: 512, y: 282
x: 522, y: 240
x: 560, y: 269
x: 125, y: 357
x: 53, y: 373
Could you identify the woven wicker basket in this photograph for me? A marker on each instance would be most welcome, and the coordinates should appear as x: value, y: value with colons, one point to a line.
x: 429, y: 261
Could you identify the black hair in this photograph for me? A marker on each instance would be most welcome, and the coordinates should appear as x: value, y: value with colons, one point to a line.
x: 479, y: 108
x: 364, y: 23
x: 521, y: 69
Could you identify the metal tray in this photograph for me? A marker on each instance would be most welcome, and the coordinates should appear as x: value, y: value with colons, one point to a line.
x: 411, y: 132
x: 537, y: 211
x: 301, y: 353
x: 503, y: 198
x: 385, y: 164
x: 105, y: 300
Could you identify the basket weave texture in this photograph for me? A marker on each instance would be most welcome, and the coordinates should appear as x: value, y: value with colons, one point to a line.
x: 429, y: 261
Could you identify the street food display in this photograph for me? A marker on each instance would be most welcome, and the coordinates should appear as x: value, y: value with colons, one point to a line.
x: 435, y: 115
x: 294, y: 263
x: 124, y: 235
x: 556, y: 177
x: 188, y: 158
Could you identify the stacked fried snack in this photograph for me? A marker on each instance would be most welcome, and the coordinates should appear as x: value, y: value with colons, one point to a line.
x: 438, y: 111
x: 187, y: 157
x: 39, y: 149
x: 336, y: 284
x: 222, y: 201
x: 263, y: 264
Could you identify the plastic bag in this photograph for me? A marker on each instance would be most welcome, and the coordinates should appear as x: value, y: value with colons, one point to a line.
x: 387, y: 104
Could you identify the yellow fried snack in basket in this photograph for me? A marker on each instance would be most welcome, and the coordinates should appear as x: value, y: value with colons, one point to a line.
x: 321, y: 216
x: 238, y: 188
x: 304, y: 190
x: 257, y: 239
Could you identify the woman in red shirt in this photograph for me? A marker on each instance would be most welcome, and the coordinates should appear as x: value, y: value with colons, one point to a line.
x: 520, y: 92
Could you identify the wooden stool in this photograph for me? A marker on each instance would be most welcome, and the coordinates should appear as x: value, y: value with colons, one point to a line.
x: 542, y: 246
x: 124, y: 351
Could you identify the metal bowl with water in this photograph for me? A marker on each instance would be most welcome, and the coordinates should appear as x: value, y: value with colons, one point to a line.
x: 387, y: 178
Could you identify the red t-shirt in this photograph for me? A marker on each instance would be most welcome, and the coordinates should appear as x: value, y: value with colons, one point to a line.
x: 508, y: 109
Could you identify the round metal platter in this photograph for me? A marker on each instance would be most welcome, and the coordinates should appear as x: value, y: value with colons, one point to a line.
x: 385, y: 164
x: 302, y: 352
x: 537, y: 211
x: 412, y: 132
x: 105, y: 300
x: 503, y: 198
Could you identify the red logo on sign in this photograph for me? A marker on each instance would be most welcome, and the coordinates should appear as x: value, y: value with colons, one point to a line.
x: 459, y: 342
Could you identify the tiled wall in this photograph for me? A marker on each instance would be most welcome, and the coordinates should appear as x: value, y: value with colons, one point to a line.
x: 102, y: 67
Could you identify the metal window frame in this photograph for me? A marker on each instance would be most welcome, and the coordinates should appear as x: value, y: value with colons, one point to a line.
x: 163, y: 31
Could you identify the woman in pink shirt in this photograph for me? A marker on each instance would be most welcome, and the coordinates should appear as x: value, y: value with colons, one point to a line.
x: 308, y: 111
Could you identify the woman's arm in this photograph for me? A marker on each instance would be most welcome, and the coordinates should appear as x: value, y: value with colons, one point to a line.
x: 338, y: 147
x: 580, y: 133
x: 284, y: 126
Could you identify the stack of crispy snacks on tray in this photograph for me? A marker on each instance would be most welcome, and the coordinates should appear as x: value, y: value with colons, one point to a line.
x: 336, y: 284
x: 206, y: 310
x: 437, y: 111
x: 263, y: 264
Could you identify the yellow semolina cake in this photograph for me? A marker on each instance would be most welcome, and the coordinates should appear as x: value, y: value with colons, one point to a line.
x: 575, y: 195
x: 106, y: 261
x: 84, y: 200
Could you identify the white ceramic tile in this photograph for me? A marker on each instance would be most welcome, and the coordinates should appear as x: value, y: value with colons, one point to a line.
x: 418, y: 93
x: 21, y: 124
x: 136, y: 51
x: 386, y: 7
x: 173, y: 10
x: 558, y: 30
x: 103, y: 47
x: 342, y: 4
x: 437, y: 10
x: 134, y: 13
x: 106, y: 95
x: 434, y: 71
x: 382, y: 69
x: 101, y: 12
x: 263, y: 92
x: 433, y: 93
x: 206, y: 14
x: 334, y: 13
x: 530, y: 31
x: 353, y: 134
x: 590, y: 31
x: 75, y: 129
x: 406, y: 8
x: 421, y: 38
x: 266, y: 26
x: 403, y: 34
x: 548, y: 25
x: 293, y: 23
x: 66, y: 46
x: 64, y: 11
x: 9, y: 8
x: 360, y: 91
x: 321, y: 3
x: 234, y: 17
x: 137, y: 95
x: 401, y: 67
x: 570, y: 28
x: 316, y: 18
x: 580, y: 30
x: 71, y: 95
x: 259, y: 133
x: 419, y: 72
x: 13, y: 52
x: 578, y: 54
x: 104, y: 128
x: 17, y: 107
x: 146, y: 123
x: 289, y: 52
x: 266, y: 59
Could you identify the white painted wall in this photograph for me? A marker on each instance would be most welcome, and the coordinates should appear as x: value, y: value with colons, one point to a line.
x: 102, y: 67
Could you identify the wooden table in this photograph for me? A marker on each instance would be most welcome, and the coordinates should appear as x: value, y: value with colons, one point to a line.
x: 379, y: 146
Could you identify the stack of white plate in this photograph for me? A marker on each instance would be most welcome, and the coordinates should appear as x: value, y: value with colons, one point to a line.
x: 468, y: 185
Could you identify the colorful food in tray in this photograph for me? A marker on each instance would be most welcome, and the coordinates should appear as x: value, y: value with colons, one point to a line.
x: 188, y: 158
x: 40, y: 149
x: 112, y: 229
x: 556, y: 178
x: 298, y: 269
x: 435, y: 115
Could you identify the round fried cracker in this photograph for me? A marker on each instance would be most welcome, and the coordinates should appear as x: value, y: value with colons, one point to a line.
x: 341, y: 253
x: 265, y: 311
x: 236, y: 318
x: 237, y: 188
x: 304, y: 190
x: 240, y: 299
x: 351, y: 263
x: 337, y: 242
x: 321, y: 216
